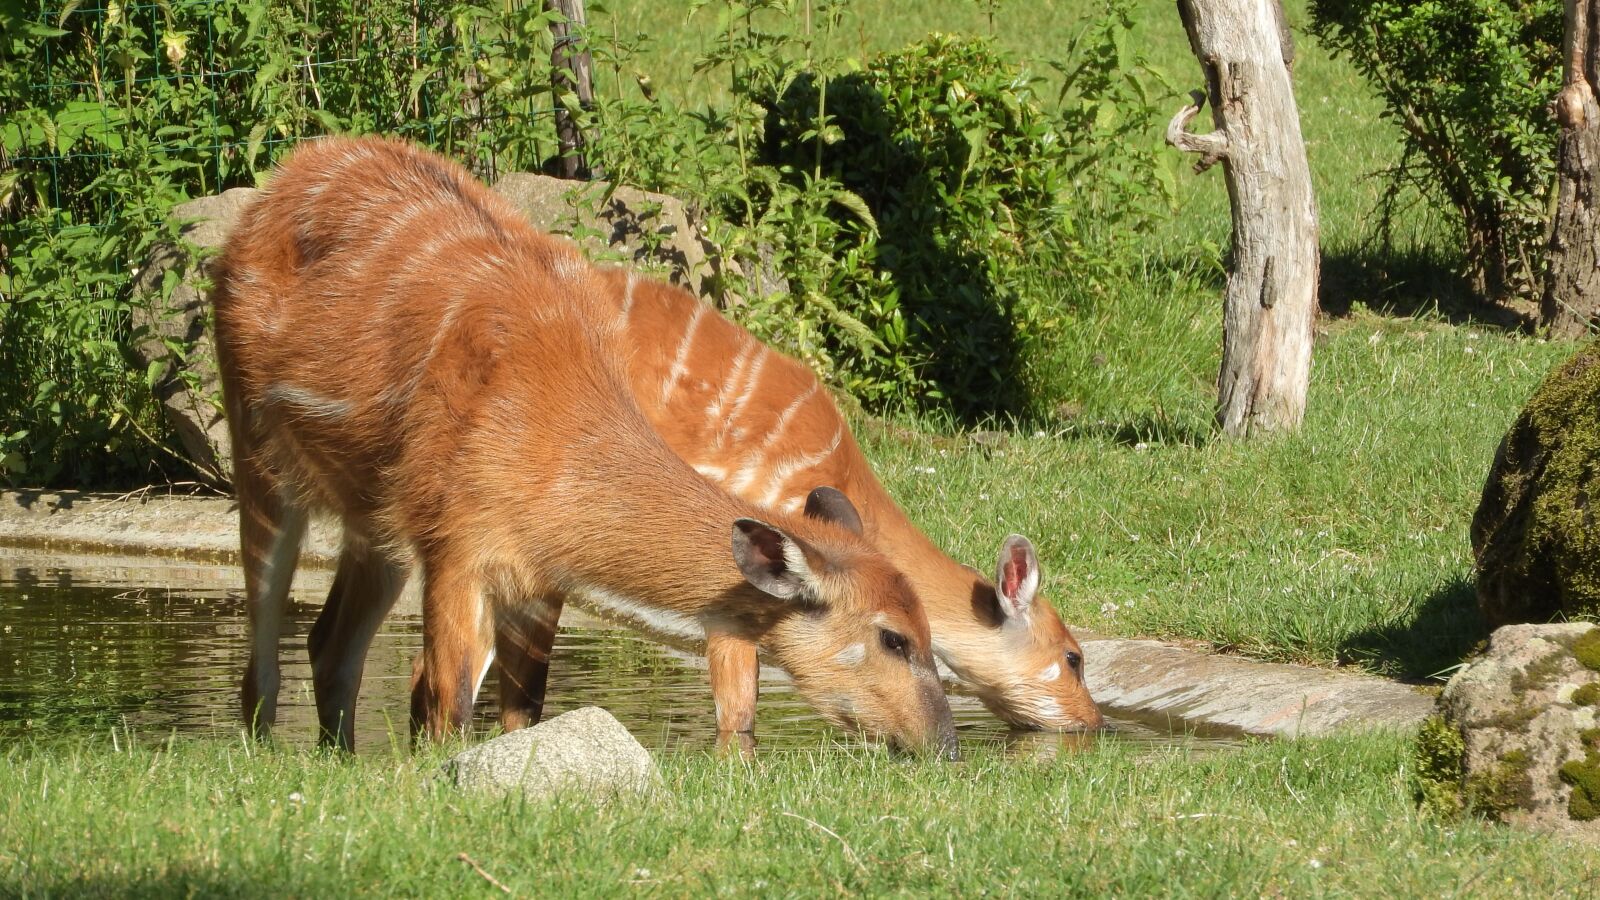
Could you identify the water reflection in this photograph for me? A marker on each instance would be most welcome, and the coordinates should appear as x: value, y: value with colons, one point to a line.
x: 80, y: 654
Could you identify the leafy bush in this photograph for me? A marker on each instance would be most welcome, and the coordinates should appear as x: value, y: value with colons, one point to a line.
x: 973, y: 182
x: 116, y: 113
x: 1468, y: 82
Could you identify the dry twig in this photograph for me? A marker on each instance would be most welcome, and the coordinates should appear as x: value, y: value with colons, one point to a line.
x: 479, y: 869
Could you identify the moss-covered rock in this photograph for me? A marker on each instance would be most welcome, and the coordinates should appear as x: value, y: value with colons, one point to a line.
x: 1586, y: 649
x: 1534, y: 536
x: 1439, y: 759
x: 1584, y: 777
x: 1516, y: 738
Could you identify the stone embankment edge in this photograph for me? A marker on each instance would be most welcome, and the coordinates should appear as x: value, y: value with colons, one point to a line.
x: 1149, y: 681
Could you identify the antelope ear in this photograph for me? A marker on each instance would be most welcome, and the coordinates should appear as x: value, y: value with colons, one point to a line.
x: 771, y: 560
x: 1016, y: 579
x: 831, y: 505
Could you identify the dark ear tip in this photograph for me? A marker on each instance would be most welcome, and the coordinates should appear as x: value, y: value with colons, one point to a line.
x: 829, y: 504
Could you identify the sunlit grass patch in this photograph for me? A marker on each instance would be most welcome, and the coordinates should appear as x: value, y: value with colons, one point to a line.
x: 1346, y: 542
x: 225, y: 819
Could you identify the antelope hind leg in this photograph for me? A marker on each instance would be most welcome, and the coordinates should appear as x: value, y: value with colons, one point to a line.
x: 364, y: 591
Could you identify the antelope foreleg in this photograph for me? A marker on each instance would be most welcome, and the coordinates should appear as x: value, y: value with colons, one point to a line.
x: 735, y: 675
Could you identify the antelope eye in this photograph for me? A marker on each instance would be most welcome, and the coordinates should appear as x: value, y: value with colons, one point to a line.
x: 1075, y: 660
x: 894, y: 642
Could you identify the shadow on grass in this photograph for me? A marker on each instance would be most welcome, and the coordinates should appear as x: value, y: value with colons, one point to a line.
x: 1439, y: 632
x: 171, y: 883
x: 1141, y: 429
x: 1409, y: 282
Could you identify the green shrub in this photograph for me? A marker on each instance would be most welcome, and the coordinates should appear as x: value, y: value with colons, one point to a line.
x: 1468, y: 82
x: 114, y: 113
x: 975, y: 181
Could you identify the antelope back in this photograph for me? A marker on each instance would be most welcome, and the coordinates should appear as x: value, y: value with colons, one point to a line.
x: 759, y: 423
x: 403, y: 349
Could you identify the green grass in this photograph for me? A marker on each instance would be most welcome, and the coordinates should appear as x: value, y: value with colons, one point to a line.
x: 1301, y: 818
x: 1346, y: 542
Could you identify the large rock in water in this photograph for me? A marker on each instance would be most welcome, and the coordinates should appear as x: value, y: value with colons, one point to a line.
x: 176, y: 332
x: 1535, y: 537
x: 1515, y: 735
x: 585, y: 749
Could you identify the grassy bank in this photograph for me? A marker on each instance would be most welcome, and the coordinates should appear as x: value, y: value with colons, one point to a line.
x: 1346, y: 542
x: 1297, y: 819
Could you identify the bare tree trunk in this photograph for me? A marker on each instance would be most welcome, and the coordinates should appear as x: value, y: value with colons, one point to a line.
x: 1571, y: 305
x: 1271, y: 299
x: 573, y: 73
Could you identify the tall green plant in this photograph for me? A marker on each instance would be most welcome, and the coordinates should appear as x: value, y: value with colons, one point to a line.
x: 1468, y: 82
x: 115, y: 113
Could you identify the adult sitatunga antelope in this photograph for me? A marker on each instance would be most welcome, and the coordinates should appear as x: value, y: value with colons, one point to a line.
x: 760, y: 424
x: 400, y: 348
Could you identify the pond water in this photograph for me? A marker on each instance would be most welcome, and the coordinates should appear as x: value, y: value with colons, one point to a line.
x: 88, y: 649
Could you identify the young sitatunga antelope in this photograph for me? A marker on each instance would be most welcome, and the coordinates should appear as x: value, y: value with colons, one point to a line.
x: 401, y: 349
x: 760, y: 424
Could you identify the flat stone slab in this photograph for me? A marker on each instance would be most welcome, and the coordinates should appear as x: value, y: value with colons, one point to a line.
x: 585, y: 750
x: 154, y: 523
x: 1147, y: 681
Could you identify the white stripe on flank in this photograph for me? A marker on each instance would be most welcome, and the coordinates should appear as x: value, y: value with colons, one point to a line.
x: 680, y: 360
x: 747, y: 474
x: 307, y: 402
x: 398, y: 221
x: 714, y: 411
x: 754, y: 467
x: 627, y: 299
x: 662, y: 622
x: 752, y: 378
x: 402, y: 393
x: 789, y: 467
x: 788, y: 414
x: 715, y: 473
